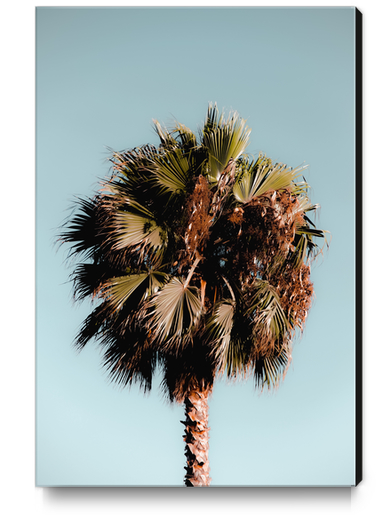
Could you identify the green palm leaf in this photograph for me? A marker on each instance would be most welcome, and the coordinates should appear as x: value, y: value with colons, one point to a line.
x: 303, y: 229
x: 122, y: 288
x: 246, y: 188
x: 268, y: 316
x: 220, y: 325
x: 172, y: 171
x: 137, y: 226
x: 176, y: 310
x: 229, y: 334
x: 300, y: 252
x: 264, y: 176
x: 186, y: 137
x: 228, y: 346
x: 223, y: 139
x: 166, y: 139
x: 279, y: 177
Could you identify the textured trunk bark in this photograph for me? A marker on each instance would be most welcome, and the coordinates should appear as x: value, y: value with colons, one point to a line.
x: 197, y: 438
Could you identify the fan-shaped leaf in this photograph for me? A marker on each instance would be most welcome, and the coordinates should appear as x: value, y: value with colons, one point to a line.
x: 80, y: 230
x: 270, y: 370
x: 171, y: 171
x: 186, y: 137
x: 266, y: 311
x: 264, y: 177
x: 121, y: 288
x: 220, y: 324
x: 223, y: 139
x: 166, y: 139
x: 176, y: 309
x: 137, y: 226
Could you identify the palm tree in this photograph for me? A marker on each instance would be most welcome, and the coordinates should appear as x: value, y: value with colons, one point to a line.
x: 198, y: 258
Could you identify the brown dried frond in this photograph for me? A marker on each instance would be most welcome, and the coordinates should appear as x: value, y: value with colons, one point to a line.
x: 264, y: 342
x: 224, y: 187
x: 198, y: 219
x: 236, y: 217
x: 268, y: 225
x: 296, y: 291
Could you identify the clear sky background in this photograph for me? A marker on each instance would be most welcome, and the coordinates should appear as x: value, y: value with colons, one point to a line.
x: 102, y: 75
x: 17, y: 260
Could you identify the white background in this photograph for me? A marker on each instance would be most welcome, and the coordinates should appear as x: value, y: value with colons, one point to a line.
x: 19, y: 494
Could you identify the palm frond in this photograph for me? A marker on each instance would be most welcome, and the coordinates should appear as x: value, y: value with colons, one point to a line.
x: 302, y: 204
x: 250, y: 177
x: 305, y: 247
x: 303, y: 229
x: 133, y: 177
x: 94, y: 325
x: 186, y: 137
x: 271, y: 369
x: 264, y: 176
x: 300, y: 253
x: 166, y: 139
x: 219, y: 326
x: 176, y: 309
x: 229, y: 333
x: 136, y: 226
x: 270, y: 323
x: 223, y: 139
x: 235, y: 359
x: 88, y: 279
x: 130, y: 360
x: 119, y: 289
x: 80, y: 229
x: 172, y: 171
x: 227, y: 345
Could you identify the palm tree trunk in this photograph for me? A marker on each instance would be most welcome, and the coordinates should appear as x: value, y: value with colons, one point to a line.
x: 197, y: 438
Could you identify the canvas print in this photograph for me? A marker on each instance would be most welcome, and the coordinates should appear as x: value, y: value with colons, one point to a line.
x: 197, y: 243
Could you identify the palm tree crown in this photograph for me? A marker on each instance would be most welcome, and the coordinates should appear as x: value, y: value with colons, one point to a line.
x: 198, y: 256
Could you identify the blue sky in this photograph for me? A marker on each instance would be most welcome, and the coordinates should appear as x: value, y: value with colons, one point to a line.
x: 102, y: 76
